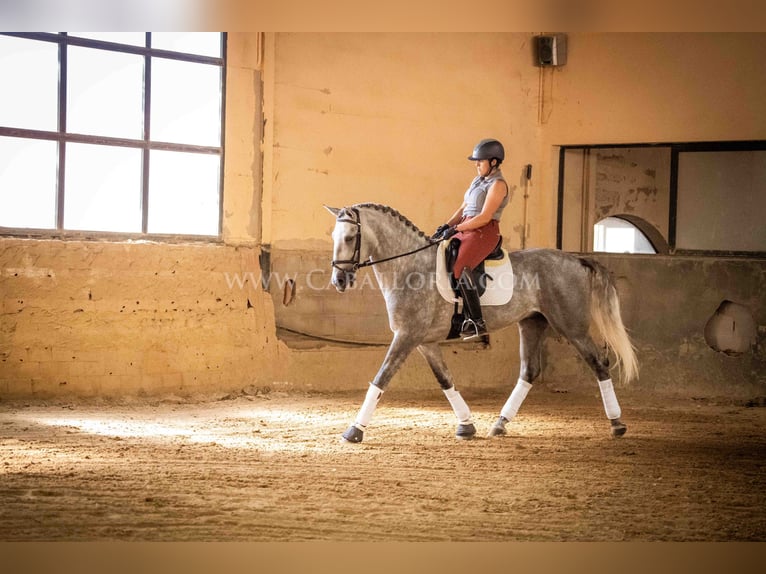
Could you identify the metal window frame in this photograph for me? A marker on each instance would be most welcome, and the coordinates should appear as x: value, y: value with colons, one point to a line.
x: 145, y: 144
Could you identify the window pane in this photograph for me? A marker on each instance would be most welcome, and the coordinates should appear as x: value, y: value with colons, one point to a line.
x: 615, y: 235
x: 186, y: 102
x: 29, y: 80
x: 105, y: 93
x: 131, y: 38
x: 183, y: 193
x: 28, y: 183
x: 721, y: 200
x: 103, y: 188
x: 202, y: 43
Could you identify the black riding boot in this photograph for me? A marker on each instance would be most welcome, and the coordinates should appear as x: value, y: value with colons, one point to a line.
x: 473, y: 326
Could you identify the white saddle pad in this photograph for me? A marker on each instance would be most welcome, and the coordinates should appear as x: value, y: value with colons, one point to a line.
x: 499, y: 283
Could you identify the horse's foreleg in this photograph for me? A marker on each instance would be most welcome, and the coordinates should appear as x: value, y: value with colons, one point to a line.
x: 587, y: 349
x: 398, y: 351
x: 531, y: 334
x: 432, y: 353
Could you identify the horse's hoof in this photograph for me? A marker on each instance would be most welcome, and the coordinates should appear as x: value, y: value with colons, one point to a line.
x: 353, y: 434
x: 465, y: 431
x: 498, y: 429
x: 618, y: 428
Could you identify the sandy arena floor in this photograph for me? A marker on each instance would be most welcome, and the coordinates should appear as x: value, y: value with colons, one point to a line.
x: 267, y: 467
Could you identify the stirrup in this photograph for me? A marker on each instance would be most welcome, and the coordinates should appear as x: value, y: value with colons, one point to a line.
x: 472, y: 329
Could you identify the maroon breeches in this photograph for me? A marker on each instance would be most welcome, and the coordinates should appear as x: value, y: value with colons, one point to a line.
x: 475, y: 245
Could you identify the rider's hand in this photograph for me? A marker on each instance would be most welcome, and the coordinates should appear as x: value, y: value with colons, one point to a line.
x: 439, y: 231
x: 449, y: 232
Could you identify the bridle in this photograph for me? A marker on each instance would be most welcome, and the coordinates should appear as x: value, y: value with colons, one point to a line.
x: 357, y: 254
x: 355, y: 261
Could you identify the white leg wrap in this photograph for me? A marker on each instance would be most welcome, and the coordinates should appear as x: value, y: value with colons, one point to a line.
x: 462, y: 412
x: 611, y: 406
x: 368, y: 406
x: 517, y: 397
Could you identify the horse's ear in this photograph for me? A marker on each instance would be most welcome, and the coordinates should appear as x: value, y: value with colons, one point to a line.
x: 334, y: 210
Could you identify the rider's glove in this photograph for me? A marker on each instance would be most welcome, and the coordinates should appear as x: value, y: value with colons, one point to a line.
x: 449, y: 232
x: 439, y: 231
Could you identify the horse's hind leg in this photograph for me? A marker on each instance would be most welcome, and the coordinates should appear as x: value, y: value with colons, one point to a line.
x: 531, y: 334
x: 587, y: 349
x: 433, y: 355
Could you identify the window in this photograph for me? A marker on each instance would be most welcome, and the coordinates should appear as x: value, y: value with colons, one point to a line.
x: 117, y: 132
x: 616, y: 235
x: 721, y: 200
x: 703, y: 198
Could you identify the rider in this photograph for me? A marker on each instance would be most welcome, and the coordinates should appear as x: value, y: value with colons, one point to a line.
x: 476, y: 224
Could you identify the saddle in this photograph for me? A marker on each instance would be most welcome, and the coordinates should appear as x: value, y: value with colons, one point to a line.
x: 481, y: 276
x: 450, y: 256
x: 496, y: 283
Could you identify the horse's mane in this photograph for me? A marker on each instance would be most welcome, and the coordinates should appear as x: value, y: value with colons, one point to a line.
x: 393, y: 213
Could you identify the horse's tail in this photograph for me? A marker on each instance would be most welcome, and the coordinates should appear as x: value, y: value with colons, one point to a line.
x: 605, y: 311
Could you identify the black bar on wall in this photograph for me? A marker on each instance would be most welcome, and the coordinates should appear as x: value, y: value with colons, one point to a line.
x: 62, y: 124
x: 224, y: 48
x: 560, y: 209
x: 673, y: 207
x: 147, y: 136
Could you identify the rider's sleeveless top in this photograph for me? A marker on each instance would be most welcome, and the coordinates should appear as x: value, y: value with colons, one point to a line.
x: 477, y: 194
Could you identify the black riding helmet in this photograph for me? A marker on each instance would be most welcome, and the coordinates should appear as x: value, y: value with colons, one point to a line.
x: 488, y: 149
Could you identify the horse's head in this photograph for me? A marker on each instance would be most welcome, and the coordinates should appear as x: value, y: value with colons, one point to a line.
x: 346, y: 239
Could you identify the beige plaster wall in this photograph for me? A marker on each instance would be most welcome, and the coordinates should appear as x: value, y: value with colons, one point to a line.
x: 388, y: 117
x: 391, y: 118
x: 649, y: 88
x: 627, y: 88
x: 243, y: 166
x: 667, y: 302
x: 340, y: 119
x: 352, y: 114
x: 110, y: 319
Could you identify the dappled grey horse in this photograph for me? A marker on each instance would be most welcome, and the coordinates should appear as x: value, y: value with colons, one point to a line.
x: 569, y: 294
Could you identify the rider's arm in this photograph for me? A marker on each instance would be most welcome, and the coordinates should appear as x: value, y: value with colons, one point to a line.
x: 456, y: 216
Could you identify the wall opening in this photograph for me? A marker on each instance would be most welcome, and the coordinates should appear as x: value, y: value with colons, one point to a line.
x: 618, y: 235
x: 702, y: 197
x: 731, y: 329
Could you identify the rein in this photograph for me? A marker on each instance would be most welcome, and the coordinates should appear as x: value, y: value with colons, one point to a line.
x: 369, y: 263
x: 355, y: 258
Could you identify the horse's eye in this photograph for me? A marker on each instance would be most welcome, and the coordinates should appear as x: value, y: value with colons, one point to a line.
x: 348, y: 239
